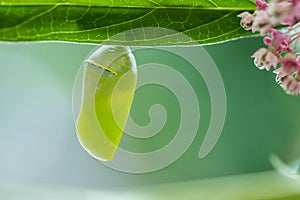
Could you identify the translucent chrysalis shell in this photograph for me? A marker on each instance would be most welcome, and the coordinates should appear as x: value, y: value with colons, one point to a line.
x: 108, y: 84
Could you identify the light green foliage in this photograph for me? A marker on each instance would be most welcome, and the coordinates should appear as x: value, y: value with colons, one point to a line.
x: 92, y: 21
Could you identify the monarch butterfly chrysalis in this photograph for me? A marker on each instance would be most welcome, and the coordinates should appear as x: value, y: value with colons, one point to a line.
x: 109, y: 82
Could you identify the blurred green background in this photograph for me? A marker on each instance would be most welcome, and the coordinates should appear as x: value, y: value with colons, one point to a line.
x: 38, y: 143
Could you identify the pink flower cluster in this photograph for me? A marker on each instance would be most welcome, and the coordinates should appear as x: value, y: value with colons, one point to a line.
x: 281, y: 47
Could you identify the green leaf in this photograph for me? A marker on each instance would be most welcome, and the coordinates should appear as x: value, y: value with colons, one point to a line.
x: 94, y: 21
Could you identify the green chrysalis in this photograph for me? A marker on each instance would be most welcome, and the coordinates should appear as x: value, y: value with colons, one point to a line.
x: 109, y: 81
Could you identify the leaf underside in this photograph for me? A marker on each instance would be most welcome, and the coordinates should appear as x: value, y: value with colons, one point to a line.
x: 83, y: 21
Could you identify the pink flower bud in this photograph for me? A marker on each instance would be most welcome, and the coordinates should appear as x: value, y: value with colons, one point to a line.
x: 264, y: 59
x: 257, y: 57
x: 279, y: 42
x: 261, y: 22
x: 269, y: 60
x: 297, y: 10
x: 289, y: 19
x: 279, y: 11
x: 268, y: 41
x: 290, y: 65
x: 291, y: 61
x: 261, y: 4
x: 290, y: 85
x: 283, y: 71
x: 246, y: 21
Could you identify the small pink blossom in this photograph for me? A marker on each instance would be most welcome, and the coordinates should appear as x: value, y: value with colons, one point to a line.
x: 279, y: 42
x: 261, y: 4
x: 280, y: 12
x: 290, y: 85
x: 257, y: 57
x: 283, y: 71
x: 261, y: 22
x: 264, y: 59
x: 291, y: 60
x: 268, y: 41
x: 279, y: 36
x: 290, y: 65
x: 297, y: 10
x: 246, y: 21
x: 294, y: 15
x: 289, y: 19
x: 284, y: 12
